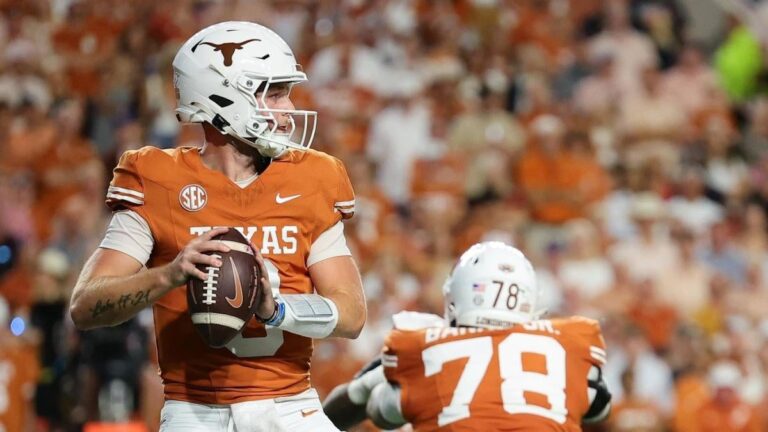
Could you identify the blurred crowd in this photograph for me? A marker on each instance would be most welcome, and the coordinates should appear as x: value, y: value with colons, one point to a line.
x: 622, y: 144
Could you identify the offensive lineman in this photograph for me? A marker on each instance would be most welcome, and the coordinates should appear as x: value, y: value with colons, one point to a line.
x: 495, y: 367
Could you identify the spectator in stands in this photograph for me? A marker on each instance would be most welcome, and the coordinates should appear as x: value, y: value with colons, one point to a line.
x: 721, y: 255
x: 632, y: 51
x: 650, y: 253
x: 692, y: 208
x: 346, y: 58
x: 19, y: 371
x: 585, y: 269
x: 399, y: 134
x: 489, y: 138
x: 545, y: 174
x: 725, y: 411
x: 726, y: 171
x: 70, y: 166
x: 756, y: 139
x: 21, y: 80
x: 684, y: 285
x: 653, y: 315
x: 633, y: 413
x: 651, y: 123
x: 690, y: 81
x: 653, y: 377
x: 597, y: 95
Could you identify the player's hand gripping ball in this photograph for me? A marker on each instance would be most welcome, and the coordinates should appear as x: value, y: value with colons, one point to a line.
x: 222, y: 304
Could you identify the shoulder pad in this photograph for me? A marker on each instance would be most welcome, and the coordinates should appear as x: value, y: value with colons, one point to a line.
x: 407, y: 320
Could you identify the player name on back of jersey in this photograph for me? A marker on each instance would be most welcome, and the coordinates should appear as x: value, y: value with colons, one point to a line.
x: 435, y: 334
x: 275, y: 240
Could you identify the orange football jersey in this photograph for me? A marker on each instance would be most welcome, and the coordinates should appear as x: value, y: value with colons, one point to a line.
x: 527, y: 377
x: 297, y: 198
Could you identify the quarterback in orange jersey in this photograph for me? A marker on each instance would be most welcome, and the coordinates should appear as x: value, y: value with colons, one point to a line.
x: 255, y: 173
x: 494, y: 366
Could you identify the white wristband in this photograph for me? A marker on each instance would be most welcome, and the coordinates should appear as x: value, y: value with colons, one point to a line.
x: 309, y: 315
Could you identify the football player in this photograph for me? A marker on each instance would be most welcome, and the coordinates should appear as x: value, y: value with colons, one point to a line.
x: 490, y: 365
x: 256, y: 173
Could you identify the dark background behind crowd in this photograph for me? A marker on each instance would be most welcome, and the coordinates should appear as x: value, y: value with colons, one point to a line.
x: 621, y: 144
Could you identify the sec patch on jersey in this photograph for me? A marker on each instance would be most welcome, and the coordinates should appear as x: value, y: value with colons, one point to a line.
x: 223, y: 303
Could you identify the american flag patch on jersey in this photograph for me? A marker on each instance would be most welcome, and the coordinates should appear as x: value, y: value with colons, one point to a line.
x: 478, y: 287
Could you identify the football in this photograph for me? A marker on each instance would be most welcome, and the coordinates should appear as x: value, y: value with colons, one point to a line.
x: 223, y: 303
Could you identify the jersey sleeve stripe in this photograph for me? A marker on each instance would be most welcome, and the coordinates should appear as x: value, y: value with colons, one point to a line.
x: 599, y: 358
x: 344, y: 203
x: 346, y: 210
x: 597, y: 350
x: 125, y: 198
x: 125, y: 191
x: 389, y: 360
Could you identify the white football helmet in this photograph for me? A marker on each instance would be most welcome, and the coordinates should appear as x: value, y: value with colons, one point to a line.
x: 492, y: 285
x: 217, y: 73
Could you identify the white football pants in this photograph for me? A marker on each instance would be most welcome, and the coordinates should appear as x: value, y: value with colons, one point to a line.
x: 302, y: 412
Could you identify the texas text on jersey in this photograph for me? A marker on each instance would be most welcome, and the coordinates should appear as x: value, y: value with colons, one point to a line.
x: 298, y: 197
x: 536, y: 371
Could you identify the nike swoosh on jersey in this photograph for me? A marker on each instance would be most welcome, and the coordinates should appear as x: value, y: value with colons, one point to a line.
x: 238, y: 300
x: 308, y: 412
x: 283, y: 200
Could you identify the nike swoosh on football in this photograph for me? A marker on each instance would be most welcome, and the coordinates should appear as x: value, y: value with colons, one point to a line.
x: 238, y: 300
x: 283, y: 200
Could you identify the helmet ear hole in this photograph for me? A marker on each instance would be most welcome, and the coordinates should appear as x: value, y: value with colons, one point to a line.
x: 219, y: 123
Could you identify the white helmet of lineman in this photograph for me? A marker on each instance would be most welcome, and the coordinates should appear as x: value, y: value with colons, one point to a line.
x: 217, y: 73
x: 492, y: 285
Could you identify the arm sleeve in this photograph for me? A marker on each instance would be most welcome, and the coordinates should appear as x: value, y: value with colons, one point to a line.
x: 130, y: 234
x: 360, y: 388
x: 344, y: 202
x: 126, y: 190
x: 383, y: 407
x: 329, y: 244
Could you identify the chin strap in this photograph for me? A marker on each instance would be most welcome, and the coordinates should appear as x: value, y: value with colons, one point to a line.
x: 273, y: 148
x: 267, y: 146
